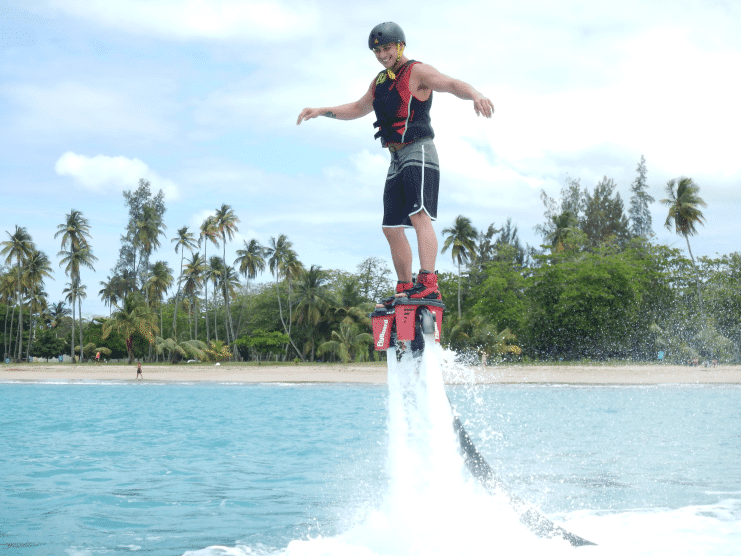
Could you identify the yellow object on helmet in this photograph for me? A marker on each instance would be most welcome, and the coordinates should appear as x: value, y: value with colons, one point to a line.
x: 389, y: 72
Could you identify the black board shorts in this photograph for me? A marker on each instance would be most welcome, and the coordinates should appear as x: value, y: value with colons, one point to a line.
x: 412, y: 184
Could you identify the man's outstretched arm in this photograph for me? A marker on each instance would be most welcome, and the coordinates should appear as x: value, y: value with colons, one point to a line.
x: 432, y: 79
x: 349, y: 111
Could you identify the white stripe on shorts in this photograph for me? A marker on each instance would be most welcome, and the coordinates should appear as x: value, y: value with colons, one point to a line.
x: 422, y: 188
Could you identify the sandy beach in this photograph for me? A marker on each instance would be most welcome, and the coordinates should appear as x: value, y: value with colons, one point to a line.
x: 376, y: 373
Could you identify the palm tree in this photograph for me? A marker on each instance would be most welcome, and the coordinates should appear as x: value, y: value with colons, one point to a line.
x: 214, y: 271
x: 292, y: 269
x: 70, y: 298
x: 160, y: 280
x: 192, y: 279
x: 225, y: 278
x: 125, y: 283
x: 7, y: 288
x: 37, y: 303
x: 195, y: 349
x: 485, y: 246
x: 462, y: 237
x: 251, y: 260
x: 683, y: 204
x: 684, y: 215
x: 148, y: 229
x: 208, y: 233
x: 74, y: 259
x: 134, y: 317
x: 563, y: 225
x: 313, y: 299
x: 75, y: 290
x: 283, y: 262
x: 18, y: 246
x: 229, y: 284
x: 347, y: 343
x: 109, y: 292
x: 352, y: 308
x: 13, y: 281
x: 185, y: 240
x: 75, y: 231
x: 37, y: 268
x: 225, y: 223
x: 57, y: 312
x: 479, y: 334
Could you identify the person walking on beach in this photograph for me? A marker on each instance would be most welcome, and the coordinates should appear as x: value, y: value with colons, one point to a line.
x: 139, y: 371
x: 401, y: 96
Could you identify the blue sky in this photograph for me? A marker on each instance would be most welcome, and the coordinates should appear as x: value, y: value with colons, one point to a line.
x: 201, y: 97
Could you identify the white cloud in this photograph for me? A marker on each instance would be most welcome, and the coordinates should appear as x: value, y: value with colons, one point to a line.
x: 198, y: 218
x: 185, y: 19
x: 103, y: 173
x: 669, y: 98
x: 580, y: 88
x: 69, y: 106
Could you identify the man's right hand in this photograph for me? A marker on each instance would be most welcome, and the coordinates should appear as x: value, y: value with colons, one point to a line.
x: 309, y: 113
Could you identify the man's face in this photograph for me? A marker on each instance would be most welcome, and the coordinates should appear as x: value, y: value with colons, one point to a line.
x: 386, y: 54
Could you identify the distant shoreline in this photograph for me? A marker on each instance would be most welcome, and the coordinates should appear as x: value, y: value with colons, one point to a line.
x: 375, y: 373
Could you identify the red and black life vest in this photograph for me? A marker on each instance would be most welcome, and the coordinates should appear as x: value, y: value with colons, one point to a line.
x: 400, y: 117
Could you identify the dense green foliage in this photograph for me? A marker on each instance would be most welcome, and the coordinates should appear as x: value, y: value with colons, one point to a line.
x: 598, y: 287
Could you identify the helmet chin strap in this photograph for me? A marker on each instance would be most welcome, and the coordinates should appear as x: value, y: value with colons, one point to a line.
x: 399, y: 53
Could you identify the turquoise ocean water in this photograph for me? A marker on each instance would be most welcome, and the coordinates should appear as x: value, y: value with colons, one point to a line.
x: 214, y: 469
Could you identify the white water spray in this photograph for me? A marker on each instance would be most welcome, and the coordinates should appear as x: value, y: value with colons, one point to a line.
x: 433, y: 506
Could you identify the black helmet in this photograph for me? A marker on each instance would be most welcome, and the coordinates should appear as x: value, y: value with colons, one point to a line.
x: 384, y: 33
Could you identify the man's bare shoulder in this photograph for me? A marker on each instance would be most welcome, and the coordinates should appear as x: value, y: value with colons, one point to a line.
x: 428, y: 77
x: 422, y: 69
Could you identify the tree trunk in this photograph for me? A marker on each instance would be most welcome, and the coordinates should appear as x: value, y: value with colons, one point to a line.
x: 72, y: 347
x: 241, y: 314
x: 459, y: 290
x: 190, y: 322
x: 230, y: 327
x: 6, y: 347
x: 226, y: 319
x: 19, y: 343
x: 216, y: 331
x: 82, y: 357
x: 162, y: 326
x: 290, y: 321
x: 177, y: 302
x: 31, y: 329
x: 283, y: 322
x: 239, y: 322
x: 205, y: 283
x: 196, y: 317
x: 9, y: 348
x: 697, y: 282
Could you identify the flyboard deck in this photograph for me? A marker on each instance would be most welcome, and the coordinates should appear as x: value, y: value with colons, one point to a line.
x: 406, y: 330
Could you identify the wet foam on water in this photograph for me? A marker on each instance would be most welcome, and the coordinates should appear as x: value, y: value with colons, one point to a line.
x: 432, y: 506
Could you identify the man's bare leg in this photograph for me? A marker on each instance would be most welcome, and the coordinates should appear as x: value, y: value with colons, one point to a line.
x: 401, y: 253
x: 401, y: 250
x: 426, y: 240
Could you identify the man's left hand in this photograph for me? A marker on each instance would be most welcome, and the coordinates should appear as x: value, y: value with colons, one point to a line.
x: 483, y: 107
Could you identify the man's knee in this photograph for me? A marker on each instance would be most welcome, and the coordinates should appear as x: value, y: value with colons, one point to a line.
x: 393, y: 233
x: 420, y: 218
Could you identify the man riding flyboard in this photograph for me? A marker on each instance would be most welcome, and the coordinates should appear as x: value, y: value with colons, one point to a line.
x: 401, y: 96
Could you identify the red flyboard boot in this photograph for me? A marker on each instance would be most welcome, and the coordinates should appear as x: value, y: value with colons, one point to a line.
x: 425, y: 293
x: 384, y: 317
x: 425, y: 287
